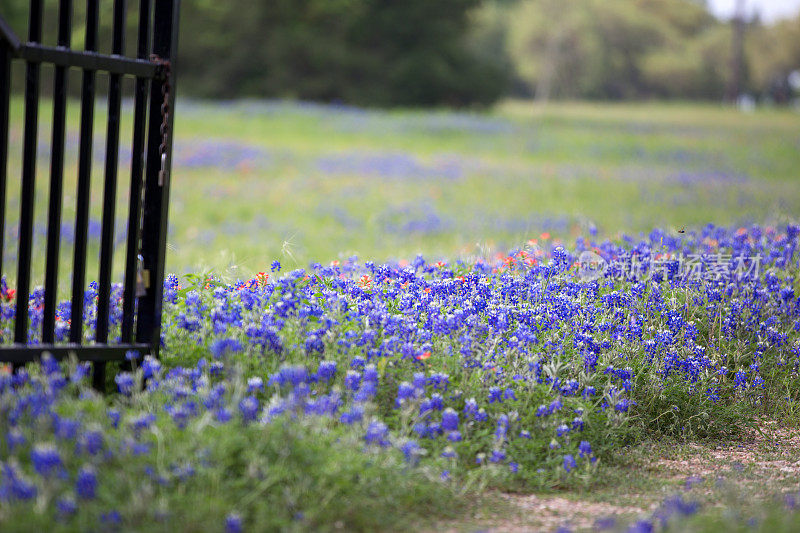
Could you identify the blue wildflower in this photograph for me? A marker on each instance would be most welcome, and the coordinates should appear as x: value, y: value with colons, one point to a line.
x: 124, y: 381
x: 569, y: 462
x: 46, y: 459
x: 377, y: 433
x: 86, y: 483
x: 449, y: 419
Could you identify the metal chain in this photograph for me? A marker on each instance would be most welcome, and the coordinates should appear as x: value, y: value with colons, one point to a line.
x: 165, y: 72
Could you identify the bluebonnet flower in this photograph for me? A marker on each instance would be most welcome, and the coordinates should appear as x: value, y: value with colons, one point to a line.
x: 411, y: 451
x: 352, y: 380
x: 420, y: 381
x: 355, y: 414
x: 215, y: 368
x: 377, y: 433
x: 366, y: 392
x: 436, y: 401
x: 46, y: 459
x: 450, y: 419
x: 569, y: 462
x: 223, y: 415
x: 86, y: 483
x: 289, y: 375
x: 150, y: 367
x: 623, y: 405
x: 255, y: 384
x: 585, y: 449
x: 81, y: 372
x: 222, y: 347
x: 14, y: 439
x: 124, y: 381
x: 326, y: 370
x: 275, y: 266
x: 439, y: 380
x: 114, y: 416
x: 111, y: 517
x: 470, y: 408
x: 248, y: 407
x: 405, y: 392
x: 497, y: 456
x: 495, y: 395
x: 371, y: 374
x: 562, y: 430
x: 142, y: 421
x: 65, y: 428
x: 454, y: 436
x: 641, y: 526
x: 502, y: 428
x: 66, y: 507
x: 21, y: 488
x: 91, y: 442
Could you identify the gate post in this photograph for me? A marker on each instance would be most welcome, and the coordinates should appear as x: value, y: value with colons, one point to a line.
x: 5, y: 100
x: 157, y: 175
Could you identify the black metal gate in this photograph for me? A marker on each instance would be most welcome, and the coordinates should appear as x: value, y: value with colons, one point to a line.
x: 149, y: 177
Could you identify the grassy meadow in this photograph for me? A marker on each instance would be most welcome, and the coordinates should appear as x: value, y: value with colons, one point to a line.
x: 258, y: 181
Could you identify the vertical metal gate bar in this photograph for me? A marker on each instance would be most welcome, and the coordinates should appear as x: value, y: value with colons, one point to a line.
x: 5, y: 97
x: 56, y: 178
x: 84, y: 179
x: 156, y: 199
x: 137, y: 166
x: 28, y: 179
x: 110, y: 187
x: 109, y: 194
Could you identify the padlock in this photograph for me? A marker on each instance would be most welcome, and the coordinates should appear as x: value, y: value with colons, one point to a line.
x: 142, y: 278
x: 162, y: 174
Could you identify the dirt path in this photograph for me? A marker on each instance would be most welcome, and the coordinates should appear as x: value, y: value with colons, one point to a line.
x: 743, y: 473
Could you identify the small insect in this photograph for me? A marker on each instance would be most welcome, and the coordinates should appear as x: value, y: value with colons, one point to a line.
x: 682, y: 230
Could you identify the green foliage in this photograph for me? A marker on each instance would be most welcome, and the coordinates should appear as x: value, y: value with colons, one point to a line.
x: 615, y: 49
x: 356, y: 51
x: 456, y: 52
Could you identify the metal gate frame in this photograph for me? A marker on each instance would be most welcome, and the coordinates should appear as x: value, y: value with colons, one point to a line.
x: 150, y: 171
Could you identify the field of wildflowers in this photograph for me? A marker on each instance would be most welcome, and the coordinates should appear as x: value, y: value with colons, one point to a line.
x: 377, y: 392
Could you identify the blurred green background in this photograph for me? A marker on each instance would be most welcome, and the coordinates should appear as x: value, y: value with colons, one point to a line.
x: 469, y: 52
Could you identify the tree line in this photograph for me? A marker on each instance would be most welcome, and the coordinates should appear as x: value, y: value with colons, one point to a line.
x: 462, y: 52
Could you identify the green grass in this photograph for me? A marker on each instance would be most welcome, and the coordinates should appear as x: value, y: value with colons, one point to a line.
x: 513, y: 174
